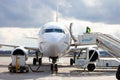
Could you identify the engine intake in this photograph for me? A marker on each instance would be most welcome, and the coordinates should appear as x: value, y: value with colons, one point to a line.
x: 20, y: 51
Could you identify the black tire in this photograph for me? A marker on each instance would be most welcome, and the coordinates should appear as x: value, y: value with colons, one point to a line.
x: 40, y: 61
x: 34, y: 61
x: 14, y: 71
x: 56, y: 68
x: 91, y: 67
x: 27, y: 71
x: 21, y: 71
x: 71, y: 61
x: 51, y: 67
x: 118, y: 68
x: 118, y: 73
x: 11, y: 71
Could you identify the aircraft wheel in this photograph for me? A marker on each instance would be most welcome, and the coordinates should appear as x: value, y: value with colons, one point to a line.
x: 34, y: 61
x: 51, y: 67
x: 14, y: 71
x: 11, y: 71
x: 27, y: 69
x: 56, y: 68
x: 71, y: 61
x: 21, y: 71
x: 40, y: 61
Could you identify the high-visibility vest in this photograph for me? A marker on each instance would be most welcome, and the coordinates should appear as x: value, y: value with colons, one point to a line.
x: 88, y: 30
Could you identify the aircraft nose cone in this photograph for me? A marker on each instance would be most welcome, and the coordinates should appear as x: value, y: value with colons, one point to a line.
x: 53, y: 48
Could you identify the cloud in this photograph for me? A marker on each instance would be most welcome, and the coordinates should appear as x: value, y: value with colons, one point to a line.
x: 29, y: 13
x: 17, y: 36
x: 79, y: 27
x: 25, y: 13
x: 105, y: 11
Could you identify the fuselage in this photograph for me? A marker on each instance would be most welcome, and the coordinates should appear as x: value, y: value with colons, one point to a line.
x: 53, y: 40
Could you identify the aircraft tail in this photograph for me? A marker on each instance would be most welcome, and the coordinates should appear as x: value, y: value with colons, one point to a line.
x: 57, y: 10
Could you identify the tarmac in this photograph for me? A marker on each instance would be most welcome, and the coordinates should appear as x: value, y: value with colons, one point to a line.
x: 65, y: 71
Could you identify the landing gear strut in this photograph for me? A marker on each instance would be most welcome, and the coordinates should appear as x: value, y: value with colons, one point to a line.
x: 37, y: 59
x: 54, y: 66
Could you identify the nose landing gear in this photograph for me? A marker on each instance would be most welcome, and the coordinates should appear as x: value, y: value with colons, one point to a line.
x: 54, y: 66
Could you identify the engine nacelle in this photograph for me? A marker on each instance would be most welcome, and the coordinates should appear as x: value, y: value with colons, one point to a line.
x: 20, y: 51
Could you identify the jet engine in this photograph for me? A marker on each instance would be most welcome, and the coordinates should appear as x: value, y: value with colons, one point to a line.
x: 94, y: 55
x: 20, y: 51
x: 19, y: 55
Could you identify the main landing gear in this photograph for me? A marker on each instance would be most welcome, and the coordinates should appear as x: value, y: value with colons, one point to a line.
x: 37, y: 59
x: 54, y: 67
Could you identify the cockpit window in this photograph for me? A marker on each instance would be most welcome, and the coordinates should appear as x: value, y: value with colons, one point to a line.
x: 59, y: 30
x: 54, y: 30
x: 49, y: 30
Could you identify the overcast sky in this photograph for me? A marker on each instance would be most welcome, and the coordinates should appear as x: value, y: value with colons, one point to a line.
x: 29, y: 13
x: 101, y: 15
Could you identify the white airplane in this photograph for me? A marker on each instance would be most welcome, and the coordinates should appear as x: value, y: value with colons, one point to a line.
x: 53, y: 43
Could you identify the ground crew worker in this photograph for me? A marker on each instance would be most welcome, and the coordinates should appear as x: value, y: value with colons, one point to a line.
x: 88, y: 30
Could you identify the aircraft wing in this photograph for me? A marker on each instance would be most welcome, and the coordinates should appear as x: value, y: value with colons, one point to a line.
x: 14, y: 46
x: 32, y: 48
x: 32, y: 38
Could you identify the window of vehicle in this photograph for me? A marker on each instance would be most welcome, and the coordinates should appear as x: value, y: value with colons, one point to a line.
x: 54, y: 30
x: 49, y: 30
x: 82, y: 54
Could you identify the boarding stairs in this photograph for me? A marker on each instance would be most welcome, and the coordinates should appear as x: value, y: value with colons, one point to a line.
x: 104, y: 41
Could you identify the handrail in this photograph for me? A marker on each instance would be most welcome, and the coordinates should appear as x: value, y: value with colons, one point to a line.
x: 109, y: 43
